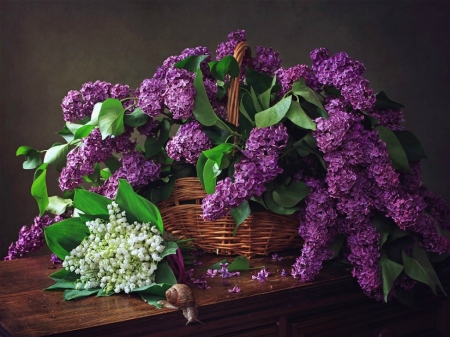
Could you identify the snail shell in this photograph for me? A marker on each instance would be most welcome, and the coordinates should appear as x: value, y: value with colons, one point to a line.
x: 180, y: 296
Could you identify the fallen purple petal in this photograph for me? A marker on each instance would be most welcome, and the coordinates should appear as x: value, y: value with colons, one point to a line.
x: 235, y: 289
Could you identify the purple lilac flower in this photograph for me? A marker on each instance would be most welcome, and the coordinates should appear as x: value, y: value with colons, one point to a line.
x: 392, y: 119
x: 94, y: 93
x: 211, y: 272
x: 258, y: 165
x: 82, y: 159
x: 287, y: 77
x: 228, y: 47
x: 55, y: 259
x: 151, y: 96
x: 202, y: 284
x: 284, y: 273
x: 345, y: 74
x: 149, y: 129
x: 318, y: 228
x: 363, y: 241
x: 235, y: 289
x: 30, y: 239
x: 266, y: 61
x: 72, y: 106
x: 120, y: 92
x: 261, y: 276
x: 179, y: 93
x: 224, y: 273
x: 188, y: 143
x: 276, y: 257
x: 135, y: 169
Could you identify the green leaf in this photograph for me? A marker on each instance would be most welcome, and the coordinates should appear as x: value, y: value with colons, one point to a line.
x: 384, y: 103
x: 417, y: 271
x: 32, y: 157
x: 255, y: 100
x: 191, y: 63
x: 308, y: 145
x: 152, y: 299
x: 202, y: 110
x: 95, y: 114
x: 298, y: 116
x: 164, y: 274
x: 72, y: 294
x: 105, y: 173
x: 171, y: 248
x: 291, y: 195
x: 411, y: 145
x: 90, y: 203
x: 60, y: 274
x: 395, y: 149
x: 337, y: 244
x: 58, y: 205
x: 136, y: 207
x: 113, y: 164
x: 110, y: 118
x: 390, y: 270
x: 66, y: 134
x: 420, y: 255
x: 275, y: 207
x: 274, y: 114
x: 65, y: 282
x: 73, y: 127
x: 65, y: 235
x: 211, y: 171
x: 300, y: 88
x: 226, y: 66
x: 240, y: 263
x: 136, y: 118
x: 200, y: 167
x: 57, y: 155
x: 39, y: 188
x: 216, y: 134
x: 239, y: 214
x: 84, y: 131
x: 247, y: 108
x: 153, y: 146
x: 102, y: 293
x: 259, y: 82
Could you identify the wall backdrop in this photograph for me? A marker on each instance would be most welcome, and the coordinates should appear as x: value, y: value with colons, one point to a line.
x: 51, y: 47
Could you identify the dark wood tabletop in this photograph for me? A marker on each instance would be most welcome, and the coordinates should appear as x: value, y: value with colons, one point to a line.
x: 332, y: 305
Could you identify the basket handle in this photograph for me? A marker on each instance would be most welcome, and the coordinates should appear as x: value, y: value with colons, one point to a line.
x: 240, y: 51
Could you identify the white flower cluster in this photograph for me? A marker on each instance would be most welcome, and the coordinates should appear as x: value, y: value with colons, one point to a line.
x: 116, y: 256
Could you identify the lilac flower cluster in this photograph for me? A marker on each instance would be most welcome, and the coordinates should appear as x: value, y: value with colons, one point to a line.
x: 360, y: 181
x: 188, y: 143
x: 30, y: 239
x: 172, y: 87
x: 345, y: 74
x: 258, y: 165
x: 318, y: 227
x: 287, y: 77
x: 82, y: 159
x: 228, y: 47
x: 135, y: 169
x: 266, y: 61
x: 79, y: 104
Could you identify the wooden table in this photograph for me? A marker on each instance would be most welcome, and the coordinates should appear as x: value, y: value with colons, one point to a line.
x: 332, y: 305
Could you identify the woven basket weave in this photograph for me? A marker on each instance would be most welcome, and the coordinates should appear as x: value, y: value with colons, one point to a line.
x: 260, y: 234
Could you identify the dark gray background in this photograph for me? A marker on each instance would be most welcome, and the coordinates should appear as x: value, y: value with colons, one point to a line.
x: 51, y: 47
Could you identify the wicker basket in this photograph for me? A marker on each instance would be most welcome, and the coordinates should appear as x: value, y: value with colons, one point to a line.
x: 260, y: 234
